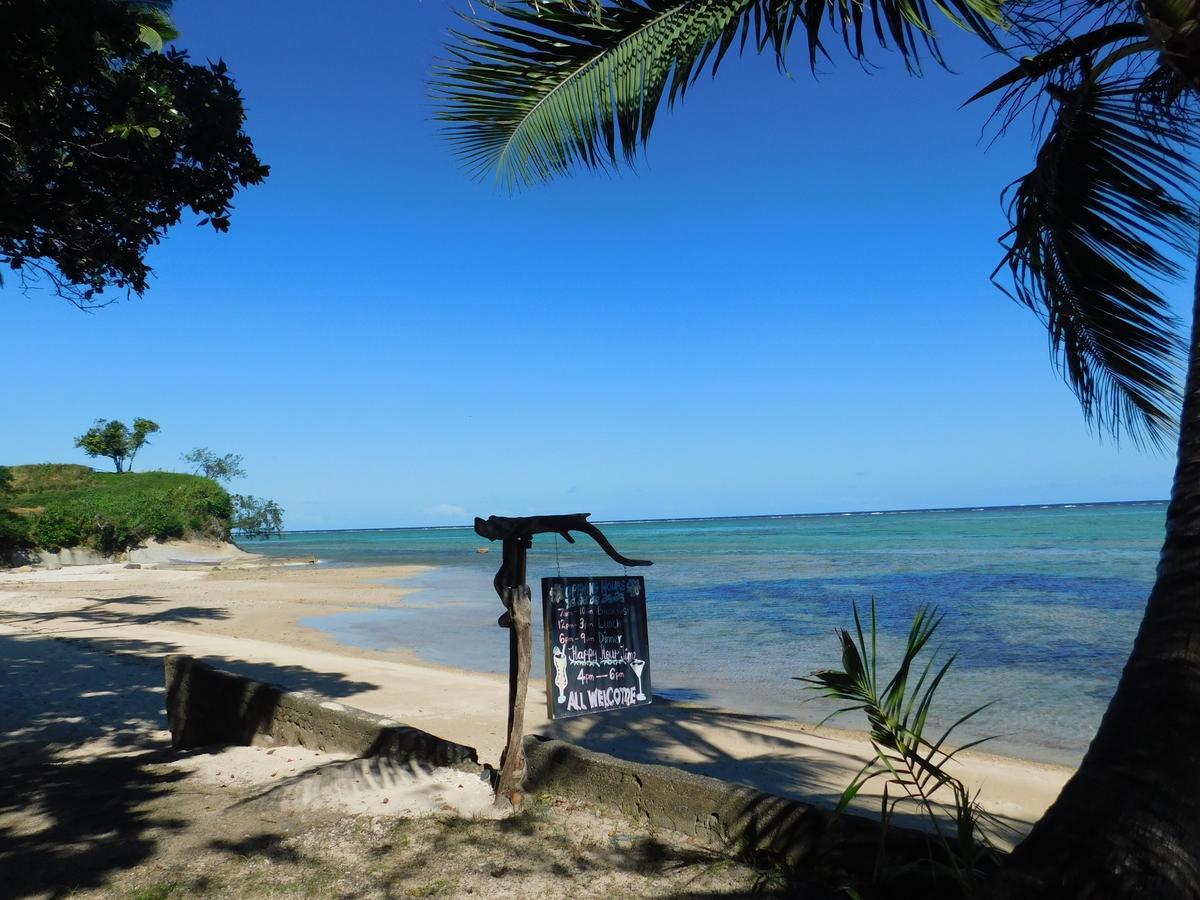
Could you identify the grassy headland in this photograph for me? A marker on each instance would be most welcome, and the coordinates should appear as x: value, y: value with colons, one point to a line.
x: 51, y: 506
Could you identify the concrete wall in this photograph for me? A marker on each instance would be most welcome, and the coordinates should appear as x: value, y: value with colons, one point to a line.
x: 199, y: 552
x: 727, y: 815
x: 207, y: 706
x: 72, y: 556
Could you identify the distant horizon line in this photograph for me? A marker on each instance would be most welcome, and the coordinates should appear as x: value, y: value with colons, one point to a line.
x: 811, y: 515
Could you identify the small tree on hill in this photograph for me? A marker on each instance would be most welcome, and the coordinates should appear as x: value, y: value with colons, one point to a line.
x: 115, y: 440
x: 218, y: 468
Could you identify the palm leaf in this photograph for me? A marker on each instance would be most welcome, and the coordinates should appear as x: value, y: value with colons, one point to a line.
x: 1063, y: 54
x: 534, y: 92
x: 536, y: 88
x: 915, y: 693
x: 1092, y: 223
x: 924, y: 625
x: 857, y: 783
x: 897, y: 716
x: 155, y: 27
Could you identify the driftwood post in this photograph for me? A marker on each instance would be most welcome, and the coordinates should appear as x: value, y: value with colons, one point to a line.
x: 517, y: 537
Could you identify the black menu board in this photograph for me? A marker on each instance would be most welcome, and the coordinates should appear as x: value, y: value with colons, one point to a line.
x: 597, y: 649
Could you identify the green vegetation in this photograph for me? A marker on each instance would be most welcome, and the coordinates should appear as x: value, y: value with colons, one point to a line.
x: 54, y: 506
x: 117, y: 441
x: 48, y: 477
x: 218, y: 468
x: 12, y: 528
x: 914, y: 768
x: 255, y: 517
x: 161, y: 890
x: 57, y: 505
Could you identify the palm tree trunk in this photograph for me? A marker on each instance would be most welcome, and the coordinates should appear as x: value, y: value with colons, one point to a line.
x: 1127, y: 824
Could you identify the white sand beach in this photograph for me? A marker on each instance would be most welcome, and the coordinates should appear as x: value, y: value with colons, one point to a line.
x: 243, y: 616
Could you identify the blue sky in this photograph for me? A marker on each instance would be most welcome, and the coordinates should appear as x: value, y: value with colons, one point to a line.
x: 786, y: 309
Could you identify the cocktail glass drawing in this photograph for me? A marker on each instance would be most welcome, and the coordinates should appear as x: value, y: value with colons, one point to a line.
x: 559, y: 657
x: 637, y: 665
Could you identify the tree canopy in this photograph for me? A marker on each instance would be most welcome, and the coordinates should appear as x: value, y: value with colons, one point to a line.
x: 105, y: 140
x: 253, y: 517
x: 115, y: 440
x: 256, y: 517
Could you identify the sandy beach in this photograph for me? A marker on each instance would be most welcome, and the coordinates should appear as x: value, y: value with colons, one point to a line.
x: 243, y: 616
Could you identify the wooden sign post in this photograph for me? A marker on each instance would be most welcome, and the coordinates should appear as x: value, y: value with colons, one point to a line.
x: 517, y: 537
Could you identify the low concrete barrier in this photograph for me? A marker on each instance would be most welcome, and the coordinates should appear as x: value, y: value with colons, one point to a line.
x: 208, y: 706
x: 717, y: 812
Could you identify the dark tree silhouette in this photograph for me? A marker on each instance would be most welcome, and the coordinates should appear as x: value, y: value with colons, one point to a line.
x: 105, y: 139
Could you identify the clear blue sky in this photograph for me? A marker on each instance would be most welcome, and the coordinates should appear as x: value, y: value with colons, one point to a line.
x: 786, y: 309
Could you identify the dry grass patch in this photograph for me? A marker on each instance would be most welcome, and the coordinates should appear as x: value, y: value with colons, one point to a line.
x: 556, y: 848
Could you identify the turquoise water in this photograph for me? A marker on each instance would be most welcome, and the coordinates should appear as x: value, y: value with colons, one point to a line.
x: 1041, y: 604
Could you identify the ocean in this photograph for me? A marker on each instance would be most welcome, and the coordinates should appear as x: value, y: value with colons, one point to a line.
x: 1041, y: 605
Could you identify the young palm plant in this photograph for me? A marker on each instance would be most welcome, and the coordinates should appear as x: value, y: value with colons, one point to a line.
x: 913, y: 767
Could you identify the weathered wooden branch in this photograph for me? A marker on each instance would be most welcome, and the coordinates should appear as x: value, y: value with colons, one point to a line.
x: 510, y: 784
x: 517, y: 534
x: 503, y: 528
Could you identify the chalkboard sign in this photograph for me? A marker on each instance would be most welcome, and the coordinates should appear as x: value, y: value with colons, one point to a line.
x: 597, y: 649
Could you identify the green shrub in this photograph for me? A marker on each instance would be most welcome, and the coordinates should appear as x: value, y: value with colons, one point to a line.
x: 31, y: 480
x: 112, y: 513
x: 64, y: 525
x: 14, y: 534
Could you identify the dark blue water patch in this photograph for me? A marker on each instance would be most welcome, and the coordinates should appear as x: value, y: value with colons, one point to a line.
x: 1053, y: 656
x: 898, y: 596
x: 1107, y: 595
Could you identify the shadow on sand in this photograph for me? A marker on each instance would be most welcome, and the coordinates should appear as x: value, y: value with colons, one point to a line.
x: 698, y: 739
x: 85, y: 774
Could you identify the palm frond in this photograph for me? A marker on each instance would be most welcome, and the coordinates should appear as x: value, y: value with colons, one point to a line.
x: 540, y: 89
x: 1108, y: 197
x: 154, y: 21
x: 1165, y: 94
x: 1062, y: 54
x: 533, y: 89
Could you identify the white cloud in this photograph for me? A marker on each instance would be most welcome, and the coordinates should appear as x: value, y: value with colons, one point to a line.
x: 445, y: 509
